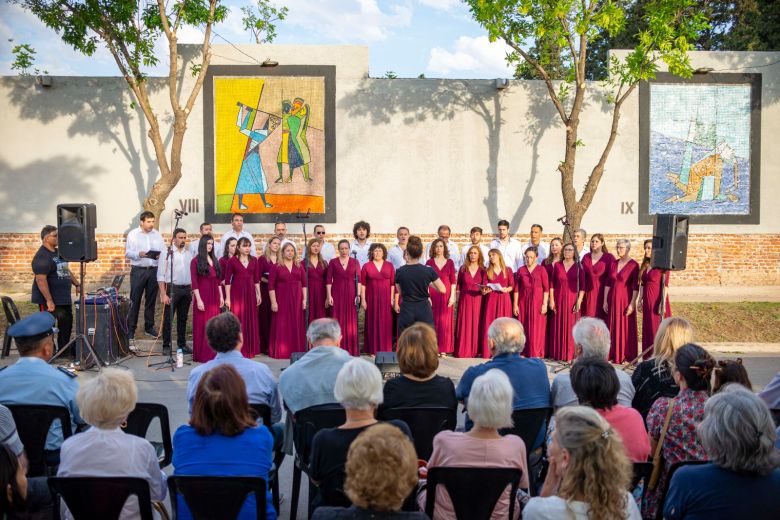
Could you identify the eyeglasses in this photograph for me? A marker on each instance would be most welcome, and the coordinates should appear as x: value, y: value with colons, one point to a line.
x: 319, y: 232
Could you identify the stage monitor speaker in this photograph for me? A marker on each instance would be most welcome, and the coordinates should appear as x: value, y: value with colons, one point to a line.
x: 670, y: 242
x: 104, y: 329
x: 76, y: 232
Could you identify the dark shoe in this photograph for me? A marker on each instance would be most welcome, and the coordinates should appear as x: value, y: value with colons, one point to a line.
x: 151, y: 332
x: 186, y: 350
x: 166, y: 351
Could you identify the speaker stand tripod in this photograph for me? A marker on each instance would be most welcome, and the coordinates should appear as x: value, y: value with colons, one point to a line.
x: 80, y: 336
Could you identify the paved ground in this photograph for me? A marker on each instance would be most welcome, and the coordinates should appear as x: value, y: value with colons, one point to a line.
x: 169, y: 387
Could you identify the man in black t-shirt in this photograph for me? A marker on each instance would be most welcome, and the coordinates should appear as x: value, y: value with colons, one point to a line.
x: 52, y: 283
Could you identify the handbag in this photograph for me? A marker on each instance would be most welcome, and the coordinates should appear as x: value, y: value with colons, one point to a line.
x: 658, y: 460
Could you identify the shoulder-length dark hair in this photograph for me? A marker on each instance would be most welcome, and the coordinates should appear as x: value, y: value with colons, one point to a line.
x: 221, y: 404
x: 377, y: 245
x: 203, y: 257
x: 226, y: 250
x: 431, y: 254
x: 243, y: 240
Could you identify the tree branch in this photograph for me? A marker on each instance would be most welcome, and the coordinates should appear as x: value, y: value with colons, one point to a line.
x: 206, y: 51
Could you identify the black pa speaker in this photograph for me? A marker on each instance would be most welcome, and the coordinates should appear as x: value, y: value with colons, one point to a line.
x: 670, y: 242
x: 76, y: 232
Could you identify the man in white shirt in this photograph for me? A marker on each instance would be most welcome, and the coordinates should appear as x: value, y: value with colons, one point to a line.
x: 142, y: 248
x: 475, y: 236
x: 397, y: 252
x: 511, y: 249
x: 444, y: 233
x: 237, y: 231
x: 280, y: 230
x: 175, y: 284
x: 205, y: 229
x: 542, y: 248
x: 579, y: 243
x: 328, y: 252
x: 359, y: 248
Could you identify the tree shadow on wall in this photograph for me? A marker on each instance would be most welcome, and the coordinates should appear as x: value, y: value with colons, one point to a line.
x: 415, y: 101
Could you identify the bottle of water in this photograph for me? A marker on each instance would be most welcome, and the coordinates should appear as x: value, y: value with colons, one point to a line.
x: 179, y: 358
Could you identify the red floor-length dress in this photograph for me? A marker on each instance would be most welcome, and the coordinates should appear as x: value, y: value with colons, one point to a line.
x: 596, y: 275
x: 564, y: 284
x: 378, y: 334
x: 531, y: 286
x: 316, y: 284
x: 223, y: 262
x: 622, y: 328
x: 209, y: 289
x: 548, y: 340
x: 651, y: 299
x: 443, y: 315
x: 467, y: 338
x: 288, y: 331
x: 343, y: 292
x: 243, y: 301
x: 264, y: 267
x: 496, y: 304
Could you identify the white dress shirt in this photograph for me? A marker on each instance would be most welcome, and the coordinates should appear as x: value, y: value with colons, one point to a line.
x: 585, y: 250
x: 360, y: 253
x: 396, y: 256
x: 181, y: 267
x: 512, y: 252
x: 195, y: 244
x: 452, y: 249
x: 543, y: 248
x: 328, y: 252
x: 243, y: 234
x: 482, y: 247
x: 138, y: 241
x: 112, y: 453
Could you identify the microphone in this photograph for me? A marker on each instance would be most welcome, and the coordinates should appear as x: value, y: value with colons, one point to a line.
x: 563, y: 218
x: 179, y: 213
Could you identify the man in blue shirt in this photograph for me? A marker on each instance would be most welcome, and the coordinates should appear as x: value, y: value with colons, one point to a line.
x: 527, y: 375
x: 31, y: 380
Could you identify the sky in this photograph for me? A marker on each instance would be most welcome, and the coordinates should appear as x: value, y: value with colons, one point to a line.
x: 437, y: 38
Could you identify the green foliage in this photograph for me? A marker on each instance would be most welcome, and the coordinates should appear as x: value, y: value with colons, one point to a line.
x: 24, y: 58
x: 259, y: 20
x: 390, y: 75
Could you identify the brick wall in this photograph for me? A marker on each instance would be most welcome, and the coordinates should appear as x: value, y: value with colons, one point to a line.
x: 712, y: 259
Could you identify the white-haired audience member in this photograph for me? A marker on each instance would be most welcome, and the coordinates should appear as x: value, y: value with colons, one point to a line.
x: 490, y: 407
x: 589, y: 472
x: 528, y: 376
x: 742, y: 479
x: 105, y: 450
x: 359, y: 390
x: 591, y: 340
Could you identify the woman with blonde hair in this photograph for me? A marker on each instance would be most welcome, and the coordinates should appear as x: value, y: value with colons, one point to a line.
x: 619, y: 304
x: 316, y: 272
x: 589, y: 471
x: 265, y: 263
x: 287, y: 291
x: 467, y: 327
x: 105, y: 450
x: 381, y: 472
x: 496, y: 303
x: 653, y: 377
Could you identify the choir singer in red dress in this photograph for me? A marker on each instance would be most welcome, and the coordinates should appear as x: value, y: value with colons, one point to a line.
x: 342, y: 290
x: 377, y: 294
x: 317, y: 272
x: 287, y: 290
x: 471, y: 277
x: 620, y: 303
x: 565, y: 302
x: 649, y: 299
x: 443, y: 304
x: 242, y: 294
x: 597, y: 265
x: 532, y: 291
x: 207, y: 299
x: 265, y: 263
x: 497, y: 302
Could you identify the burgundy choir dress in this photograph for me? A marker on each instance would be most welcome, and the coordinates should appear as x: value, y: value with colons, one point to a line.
x: 209, y: 289
x: 531, y: 287
x: 651, y: 299
x: 444, y: 316
x: 378, y: 334
x: 595, y: 282
x: 344, y: 292
x: 496, y: 305
x: 564, y: 284
x: 288, y: 331
x: 622, y: 328
x: 316, y: 284
x: 548, y: 340
x: 223, y: 262
x: 264, y: 271
x: 243, y: 301
x: 467, y: 339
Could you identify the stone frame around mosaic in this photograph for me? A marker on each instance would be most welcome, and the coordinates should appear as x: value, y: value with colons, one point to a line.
x: 754, y: 80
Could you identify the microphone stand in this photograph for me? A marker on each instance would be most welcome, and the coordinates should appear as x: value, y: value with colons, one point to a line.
x: 357, y: 292
x: 303, y: 219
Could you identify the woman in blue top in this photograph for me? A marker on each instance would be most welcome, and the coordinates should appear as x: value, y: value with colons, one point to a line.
x: 222, y: 438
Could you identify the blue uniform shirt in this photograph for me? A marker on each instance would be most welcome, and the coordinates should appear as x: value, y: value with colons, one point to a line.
x: 33, y: 381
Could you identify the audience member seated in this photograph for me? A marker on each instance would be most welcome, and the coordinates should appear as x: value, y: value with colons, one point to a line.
x: 223, y: 438
x: 31, y: 380
x: 743, y: 477
x: 418, y: 384
x: 692, y: 370
x: 359, y: 390
x: 591, y: 341
x: 105, y: 450
x: 381, y: 472
x: 771, y: 393
x: 589, y: 472
x: 596, y: 385
x: 37, y: 502
x: 490, y: 407
x: 730, y: 371
x: 653, y: 378
x: 13, y: 482
x: 528, y: 376
x: 224, y: 335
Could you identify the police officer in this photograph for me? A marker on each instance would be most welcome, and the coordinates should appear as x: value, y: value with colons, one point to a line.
x: 31, y: 380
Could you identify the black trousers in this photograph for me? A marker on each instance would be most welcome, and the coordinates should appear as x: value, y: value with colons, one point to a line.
x: 181, y: 299
x: 63, y: 314
x: 412, y: 312
x: 143, y: 284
